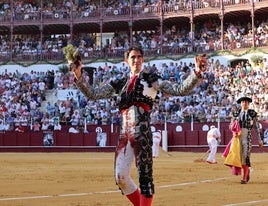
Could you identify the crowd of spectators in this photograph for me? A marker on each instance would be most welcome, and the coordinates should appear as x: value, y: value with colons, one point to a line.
x: 174, y: 40
x: 212, y: 100
x: 23, y: 94
x: 21, y: 97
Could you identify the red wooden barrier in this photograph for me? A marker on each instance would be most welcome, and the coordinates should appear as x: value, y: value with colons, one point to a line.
x: 191, y: 137
x: 76, y: 139
x: 37, y: 138
x: 62, y: 139
x: 90, y: 139
x: 202, y: 137
x: 10, y: 139
x: 113, y: 139
x: 176, y: 138
x: 2, y: 135
x: 178, y: 134
x: 23, y: 139
x: 227, y: 136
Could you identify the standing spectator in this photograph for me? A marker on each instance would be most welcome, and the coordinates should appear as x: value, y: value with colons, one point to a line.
x: 213, y: 139
x: 137, y: 96
x: 33, y: 106
x: 42, y: 87
x: 50, y: 109
x: 156, y: 143
x: 62, y: 109
x: 67, y: 104
x: 56, y: 108
x: 38, y: 115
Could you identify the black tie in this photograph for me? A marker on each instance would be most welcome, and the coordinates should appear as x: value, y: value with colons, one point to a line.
x: 244, y: 116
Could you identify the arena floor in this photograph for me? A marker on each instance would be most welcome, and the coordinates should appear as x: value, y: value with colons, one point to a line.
x: 86, y: 179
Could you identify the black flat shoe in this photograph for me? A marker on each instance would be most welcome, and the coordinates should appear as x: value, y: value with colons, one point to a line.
x: 243, y: 182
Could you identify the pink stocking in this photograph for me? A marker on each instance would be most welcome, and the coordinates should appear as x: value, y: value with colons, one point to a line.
x: 146, y: 201
x: 246, y: 172
x: 134, y: 197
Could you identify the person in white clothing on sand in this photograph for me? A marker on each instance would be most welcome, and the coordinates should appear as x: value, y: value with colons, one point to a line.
x: 213, y: 139
x: 156, y: 143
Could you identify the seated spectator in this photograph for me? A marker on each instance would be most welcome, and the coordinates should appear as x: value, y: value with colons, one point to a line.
x: 24, y: 121
x: 45, y: 126
x: 17, y: 121
x: 36, y: 126
x: 209, y: 116
x: 105, y: 120
x: 63, y: 121
x: 62, y: 109
x: 57, y: 126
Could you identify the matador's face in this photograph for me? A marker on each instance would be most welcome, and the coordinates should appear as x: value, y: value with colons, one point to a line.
x: 244, y: 104
x: 135, y: 61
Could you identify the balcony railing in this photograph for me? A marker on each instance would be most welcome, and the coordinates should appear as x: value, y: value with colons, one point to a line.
x: 118, y: 14
x: 167, y: 51
x: 137, y: 11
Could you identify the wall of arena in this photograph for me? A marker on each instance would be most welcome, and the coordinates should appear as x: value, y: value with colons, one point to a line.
x: 94, y: 138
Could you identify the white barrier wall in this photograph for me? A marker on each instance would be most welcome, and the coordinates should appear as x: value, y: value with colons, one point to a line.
x: 47, y: 67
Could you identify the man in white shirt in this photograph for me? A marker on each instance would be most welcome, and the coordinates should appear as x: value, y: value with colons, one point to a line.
x: 213, y: 139
x: 44, y: 126
x: 57, y: 126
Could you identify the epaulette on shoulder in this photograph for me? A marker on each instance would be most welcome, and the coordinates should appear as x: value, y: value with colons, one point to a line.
x: 118, y: 84
x: 252, y: 113
x: 236, y: 113
x: 150, y: 77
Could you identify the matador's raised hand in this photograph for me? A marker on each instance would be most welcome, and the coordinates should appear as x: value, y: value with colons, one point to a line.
x: 74, y: 60
x: 201, y: 63
x: 77, y: 70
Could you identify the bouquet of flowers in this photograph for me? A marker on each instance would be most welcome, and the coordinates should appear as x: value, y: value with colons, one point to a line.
x: 72, y: 56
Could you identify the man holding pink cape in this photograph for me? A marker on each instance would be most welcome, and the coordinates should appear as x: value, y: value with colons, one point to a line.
x: 237, y: 152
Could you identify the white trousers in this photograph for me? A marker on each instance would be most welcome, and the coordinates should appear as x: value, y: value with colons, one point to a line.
x: 155, y: 147
x: 213, y: 144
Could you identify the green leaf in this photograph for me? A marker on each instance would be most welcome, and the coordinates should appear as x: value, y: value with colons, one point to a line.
x: 70, y: 53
